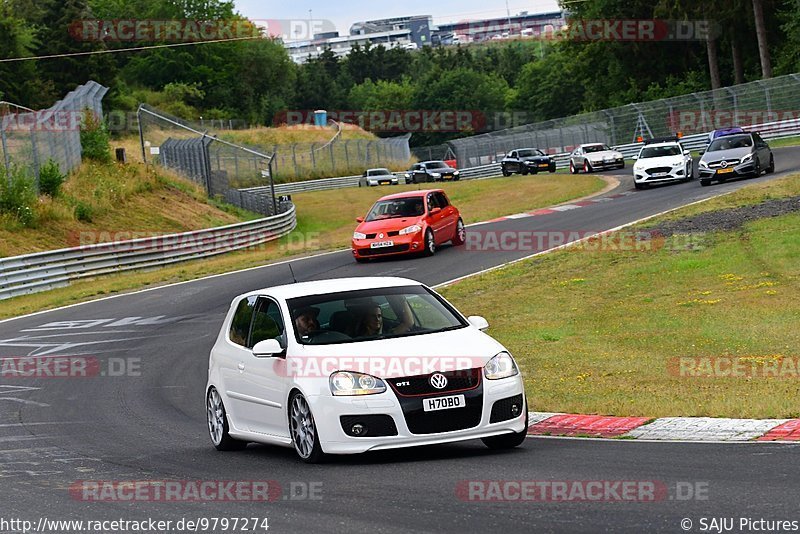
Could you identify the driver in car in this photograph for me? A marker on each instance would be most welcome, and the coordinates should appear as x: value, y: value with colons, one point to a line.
x: 305, y: 321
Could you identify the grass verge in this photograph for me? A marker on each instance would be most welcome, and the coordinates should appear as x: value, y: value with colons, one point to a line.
x: 325, y: 221
x: 601, y: 331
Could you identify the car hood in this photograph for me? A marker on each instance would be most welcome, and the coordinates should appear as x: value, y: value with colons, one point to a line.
x: 387, y: 225
x: 536, y: 158
x: 663, y: 161
x: 465, y: 348
x: 382, y: 177
x: 733, y: 153
x: 603, y: 154
x: 442, y: 170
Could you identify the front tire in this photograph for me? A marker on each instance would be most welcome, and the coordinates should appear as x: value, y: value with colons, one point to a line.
x: 303, y: 430
x: 572, y: 168
x: 505, y: 172
x: 771, y: 167
x: 705, y: 183
x: 218, y: 424
x: 430, y: 243
x: 508, y: 441
x: 586, y: 167
x: 757, y: 169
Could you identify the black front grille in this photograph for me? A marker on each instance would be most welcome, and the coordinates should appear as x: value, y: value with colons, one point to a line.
x: 501, y: 410
x: 384, y: 250
x: 421, y: 422
x: 372, y: 236
x: 393, y: 234
x: 374, y: 425
x: 658, y: 169
x: 420, y: 385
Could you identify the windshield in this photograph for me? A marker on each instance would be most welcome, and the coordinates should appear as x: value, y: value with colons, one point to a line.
x: 660, y: 151
x: 730, y: 142
x: 397, y: 207
x: 378, y: 172
x: 595, y: 148
x: 369, y: 314
x: 436, y: 165
x: 530, y: 153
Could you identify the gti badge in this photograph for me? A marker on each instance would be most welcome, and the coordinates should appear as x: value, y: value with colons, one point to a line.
x: 438, y: 380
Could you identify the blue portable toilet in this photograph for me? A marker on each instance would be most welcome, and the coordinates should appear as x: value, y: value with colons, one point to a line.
x: 320, y: 117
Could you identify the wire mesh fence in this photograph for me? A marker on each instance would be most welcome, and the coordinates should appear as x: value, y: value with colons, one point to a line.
x: 29, y: 139
x: 339, y: 157
x: 759, y: 102
x: 240, y: 175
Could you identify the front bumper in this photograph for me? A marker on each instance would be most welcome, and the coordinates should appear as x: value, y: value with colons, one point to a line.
x: 744, y: 169
x: 328, y: 411
x: 375, y: 183
x: 643, y: 177
x: 401, y: 244
x: 541, y: 167
x: 607, y: 164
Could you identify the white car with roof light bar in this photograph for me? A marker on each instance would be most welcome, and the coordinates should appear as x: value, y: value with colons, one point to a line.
x: 661, y: 161
x: 360, y: 364
x: 595, y: 156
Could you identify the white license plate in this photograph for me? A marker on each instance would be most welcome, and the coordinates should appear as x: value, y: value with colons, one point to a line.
x: 382, y: 244
x: 444, y: 403
x: 659, y: 174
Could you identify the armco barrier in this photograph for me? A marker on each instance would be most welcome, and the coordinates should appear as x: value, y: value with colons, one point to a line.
x: 31, y: 273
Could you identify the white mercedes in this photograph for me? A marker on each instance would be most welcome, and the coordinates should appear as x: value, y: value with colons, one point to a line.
x: 353, y: 365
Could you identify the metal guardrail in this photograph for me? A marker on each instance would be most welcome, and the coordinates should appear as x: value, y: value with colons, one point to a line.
x: 21, y: 275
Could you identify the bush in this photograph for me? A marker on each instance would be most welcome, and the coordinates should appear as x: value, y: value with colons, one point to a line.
x: 18, y: 195
x: 50, y: 179
x: 84, y: 212
x: 94, y: 138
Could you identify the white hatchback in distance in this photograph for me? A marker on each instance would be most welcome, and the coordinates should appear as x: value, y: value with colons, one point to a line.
x: 352, y: 365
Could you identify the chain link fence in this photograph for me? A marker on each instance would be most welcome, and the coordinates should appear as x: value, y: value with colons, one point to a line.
x: 29, y: 139
x: 237, y: 174
x: 759, y: 102
x: 339, y: 157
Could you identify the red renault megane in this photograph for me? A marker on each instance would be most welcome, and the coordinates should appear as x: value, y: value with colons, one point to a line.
x: 416, y: 221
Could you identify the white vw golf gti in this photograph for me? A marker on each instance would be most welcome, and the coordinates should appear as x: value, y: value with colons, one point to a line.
x: 352, y: 365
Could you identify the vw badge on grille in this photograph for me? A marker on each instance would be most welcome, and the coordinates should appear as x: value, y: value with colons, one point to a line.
x: 438, y: 380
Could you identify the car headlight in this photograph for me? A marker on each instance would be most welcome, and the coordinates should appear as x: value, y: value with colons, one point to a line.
x: 408, y: 175
x: 346, y: 383
x: 747, y: 159
x: 413, y: 229
x: 359, y: 235
x: 456, y: 173
x: 436, y: 175
x: 703, y: 165
x: 501, y: 366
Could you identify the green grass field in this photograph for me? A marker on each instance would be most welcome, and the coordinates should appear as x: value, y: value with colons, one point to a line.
x: 601, y: 331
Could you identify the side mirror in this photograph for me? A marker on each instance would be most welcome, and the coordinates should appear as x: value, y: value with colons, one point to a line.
x: 634, y: 158
x: 478, y: 322
x: 359, y: 219
x: 267, y: 348
x: 702, y: 152
x: 434, y: 211
x: 687, y: 153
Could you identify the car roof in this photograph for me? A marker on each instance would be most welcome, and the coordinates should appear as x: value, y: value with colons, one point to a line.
x: 378, y: 169
x: 336, y: 285
x: 592, y: 144
x: 531, y: 148
x: 410, y: 194
x: 433, y: 161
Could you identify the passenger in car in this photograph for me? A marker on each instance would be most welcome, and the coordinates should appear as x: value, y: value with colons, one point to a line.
x: 371, y: 321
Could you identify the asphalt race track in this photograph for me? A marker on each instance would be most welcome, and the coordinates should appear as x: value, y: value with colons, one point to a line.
x: 124, y: 427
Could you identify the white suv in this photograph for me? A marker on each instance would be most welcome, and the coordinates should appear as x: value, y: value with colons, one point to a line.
x: 662, y: 161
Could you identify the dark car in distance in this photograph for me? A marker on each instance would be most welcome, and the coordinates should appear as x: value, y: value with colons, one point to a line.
x: 431, y: 171
x: 527, y: 161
